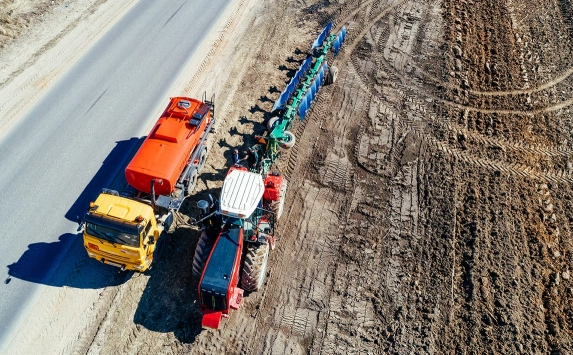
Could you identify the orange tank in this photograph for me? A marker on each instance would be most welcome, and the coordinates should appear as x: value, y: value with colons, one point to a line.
x: 165, y: 152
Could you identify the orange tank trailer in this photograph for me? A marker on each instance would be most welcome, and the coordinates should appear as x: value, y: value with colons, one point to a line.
x: 165, y: 152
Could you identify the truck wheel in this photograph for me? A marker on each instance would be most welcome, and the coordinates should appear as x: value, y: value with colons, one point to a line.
x: 288, y: 140
x: 202, y: 159
x: 271, y: 124
x: 159, y: 247
x: 202, y: 251
x: 192, y: 182
x: 255, y: 267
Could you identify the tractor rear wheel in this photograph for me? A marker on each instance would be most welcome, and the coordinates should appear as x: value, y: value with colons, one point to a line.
x: 288, y: 140
x: 255, y: 267
x: 202, y: 251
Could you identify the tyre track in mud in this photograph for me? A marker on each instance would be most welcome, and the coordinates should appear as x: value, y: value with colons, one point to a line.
x: 476, y: 254
x: 361, y: 316
x: 559, y: 172
x: 503, y: 144
x: 417, y: 87
x: 297, y: 317
x: 335, y: 173
x: 298, y: 314
x: 547, y: 85
x: 491, y: 262
x: 396, y: 232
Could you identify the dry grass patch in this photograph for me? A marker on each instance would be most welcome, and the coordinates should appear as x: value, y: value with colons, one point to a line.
x: 17, y: 15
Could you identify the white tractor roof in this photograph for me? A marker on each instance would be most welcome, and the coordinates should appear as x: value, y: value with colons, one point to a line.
x: 242, y: 191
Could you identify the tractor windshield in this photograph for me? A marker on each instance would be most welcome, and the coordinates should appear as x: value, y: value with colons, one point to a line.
x: 260, y: 221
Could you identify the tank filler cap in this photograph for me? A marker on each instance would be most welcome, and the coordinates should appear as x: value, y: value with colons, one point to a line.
x: 184, y: 104
x: 203, y: 205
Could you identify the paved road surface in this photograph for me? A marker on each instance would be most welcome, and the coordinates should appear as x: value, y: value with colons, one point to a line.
x: 72, y: 143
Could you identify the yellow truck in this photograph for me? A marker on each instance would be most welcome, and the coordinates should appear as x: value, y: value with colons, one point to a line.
x: 124, y: 229
x: 121, y: 231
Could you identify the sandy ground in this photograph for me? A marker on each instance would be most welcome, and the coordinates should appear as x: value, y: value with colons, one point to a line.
x: 429, y: 192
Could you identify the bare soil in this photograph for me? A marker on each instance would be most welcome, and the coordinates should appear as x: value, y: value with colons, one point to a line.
x: 429, y: 200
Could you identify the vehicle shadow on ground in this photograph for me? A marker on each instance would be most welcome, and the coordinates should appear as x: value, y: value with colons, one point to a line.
x: 45, y: 263
x: 169, y: 302
x: 109, y: 175
x: 65, y: 261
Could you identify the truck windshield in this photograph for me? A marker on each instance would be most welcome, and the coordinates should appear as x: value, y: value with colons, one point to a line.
x: 112, y: 235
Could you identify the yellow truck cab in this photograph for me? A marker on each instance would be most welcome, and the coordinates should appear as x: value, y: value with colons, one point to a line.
x: 120, y: 231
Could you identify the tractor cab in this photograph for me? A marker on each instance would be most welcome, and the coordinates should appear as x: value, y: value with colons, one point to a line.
x: 246, y: 233
x: 242, y: 193
x: 243, y: 204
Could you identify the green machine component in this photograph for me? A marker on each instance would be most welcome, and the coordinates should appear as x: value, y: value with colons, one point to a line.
x: 299, y: 95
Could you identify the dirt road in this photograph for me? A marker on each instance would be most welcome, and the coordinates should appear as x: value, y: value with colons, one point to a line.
x: 429, y: 192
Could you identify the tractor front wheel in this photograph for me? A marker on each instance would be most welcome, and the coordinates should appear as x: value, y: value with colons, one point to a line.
x: 202, y: 251
x: 255, y: 267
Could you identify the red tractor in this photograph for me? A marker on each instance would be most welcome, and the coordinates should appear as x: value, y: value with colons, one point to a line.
x: 232, y: 252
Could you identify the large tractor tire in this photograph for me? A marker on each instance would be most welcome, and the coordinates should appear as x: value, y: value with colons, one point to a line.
x: 277, y: 207
x: 255, y: 267
x: 271, y: 123
x: 202, y: 251
x: 288, y: 141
